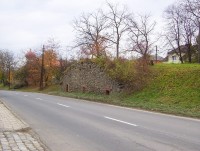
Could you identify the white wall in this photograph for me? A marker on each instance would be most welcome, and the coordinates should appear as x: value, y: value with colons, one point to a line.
x: 173, y: 58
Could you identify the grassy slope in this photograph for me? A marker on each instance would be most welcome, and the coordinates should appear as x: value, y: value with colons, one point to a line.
x: 176, y: 90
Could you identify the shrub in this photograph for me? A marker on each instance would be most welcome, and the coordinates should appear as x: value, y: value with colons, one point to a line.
x: 133, y: 74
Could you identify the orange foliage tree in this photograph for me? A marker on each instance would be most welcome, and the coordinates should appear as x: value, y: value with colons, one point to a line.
x: 51, y: 66
x: 32, y: 68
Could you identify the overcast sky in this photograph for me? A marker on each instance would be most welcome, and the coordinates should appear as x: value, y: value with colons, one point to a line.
x: 26, y: 24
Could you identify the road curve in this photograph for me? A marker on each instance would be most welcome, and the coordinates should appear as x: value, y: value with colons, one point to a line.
x: 67, y: 124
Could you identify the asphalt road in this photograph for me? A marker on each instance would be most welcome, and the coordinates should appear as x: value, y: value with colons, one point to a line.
x: 66, y: 124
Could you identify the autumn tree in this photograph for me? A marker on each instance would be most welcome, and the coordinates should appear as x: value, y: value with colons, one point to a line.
x: 51, y: 62
x: 30, y: 72
x: 7, y: 64
x: 51, y: 65
x: 31, y: 68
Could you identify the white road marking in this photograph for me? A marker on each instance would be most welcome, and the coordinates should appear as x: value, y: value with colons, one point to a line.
x: 25, y: 95
x: 151, y: 112
x: 63, y: 105
x: 41, y: 100
x: 38, y: 98
x: 120, y: 121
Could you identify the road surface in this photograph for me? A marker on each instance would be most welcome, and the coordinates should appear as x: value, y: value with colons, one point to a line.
x: 66, y: 124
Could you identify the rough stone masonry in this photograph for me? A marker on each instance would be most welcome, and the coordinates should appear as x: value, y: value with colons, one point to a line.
x: 88, y: 77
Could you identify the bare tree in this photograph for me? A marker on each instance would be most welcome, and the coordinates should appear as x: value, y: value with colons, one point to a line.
x: 118, y: 21
x: 91, y: 34
x: 193, y: 7
x: 188, y: 32
x: 140, y: 36
x: 174, y: 29
x: 53, y: 45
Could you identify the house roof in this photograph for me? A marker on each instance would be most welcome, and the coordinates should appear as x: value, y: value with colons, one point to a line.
x: 183, y: 50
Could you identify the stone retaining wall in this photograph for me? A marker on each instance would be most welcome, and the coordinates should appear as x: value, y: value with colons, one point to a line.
x: 88, y: 77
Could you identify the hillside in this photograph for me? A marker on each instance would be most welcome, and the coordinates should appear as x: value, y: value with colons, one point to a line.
x: 175, y: 89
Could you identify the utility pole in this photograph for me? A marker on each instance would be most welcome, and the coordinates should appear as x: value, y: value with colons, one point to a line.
x: 42, y: 70
x: 9, y: 78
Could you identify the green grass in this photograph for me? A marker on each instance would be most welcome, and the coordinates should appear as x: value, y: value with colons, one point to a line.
x: 3, y: 87
x: 173, y: 89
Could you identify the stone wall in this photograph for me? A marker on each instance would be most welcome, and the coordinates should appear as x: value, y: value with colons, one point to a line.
x: 88, y: 77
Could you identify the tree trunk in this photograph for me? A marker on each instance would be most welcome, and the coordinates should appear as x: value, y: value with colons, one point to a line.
x: 189, y: 51
x: 181, y: 59
x: 180, y: 56
x: 180, y: 53
x: 117, y: 45
x: 117, y: 51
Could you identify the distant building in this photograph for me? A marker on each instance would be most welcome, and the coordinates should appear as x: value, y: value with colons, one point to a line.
x: 157, y: 59
x: 173, y: 57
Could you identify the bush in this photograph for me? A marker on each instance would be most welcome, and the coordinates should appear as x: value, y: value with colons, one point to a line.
x: 133, y: 74
x: 20, y: 85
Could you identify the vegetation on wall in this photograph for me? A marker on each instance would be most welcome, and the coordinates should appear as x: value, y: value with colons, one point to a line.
x: 133, y: 75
